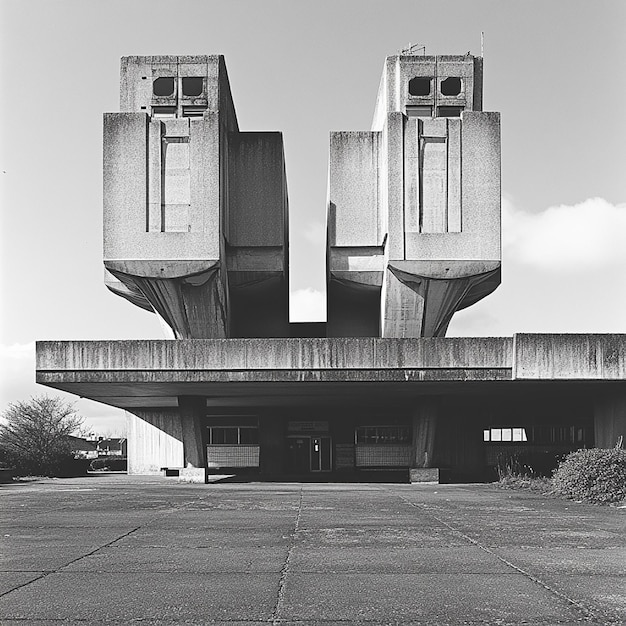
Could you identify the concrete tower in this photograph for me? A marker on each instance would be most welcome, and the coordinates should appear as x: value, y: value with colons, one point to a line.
x: 195, y: 211
x: 414, y: 204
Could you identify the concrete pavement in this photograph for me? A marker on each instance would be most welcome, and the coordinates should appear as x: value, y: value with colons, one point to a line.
x: 119, y: 549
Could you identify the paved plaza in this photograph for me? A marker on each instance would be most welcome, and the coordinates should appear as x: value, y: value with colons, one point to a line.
x: 118, y: 549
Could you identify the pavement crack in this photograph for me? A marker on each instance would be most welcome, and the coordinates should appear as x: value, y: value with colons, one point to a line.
x: 58, y: 569
x: 583, y: 610
x: 280, y: 599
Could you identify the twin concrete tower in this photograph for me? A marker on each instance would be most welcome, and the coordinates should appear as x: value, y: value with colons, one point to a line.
x: 196, y: 211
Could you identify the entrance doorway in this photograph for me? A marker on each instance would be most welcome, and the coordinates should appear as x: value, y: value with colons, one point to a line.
x: 309, y: 454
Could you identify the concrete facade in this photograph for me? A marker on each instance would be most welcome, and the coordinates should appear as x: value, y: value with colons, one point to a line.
x: 433, y: 399
x: 195, y: 230
x: 414, y: 204
x: 195, y: 211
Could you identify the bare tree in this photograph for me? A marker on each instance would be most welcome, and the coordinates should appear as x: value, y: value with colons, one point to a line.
x: 35, y: 435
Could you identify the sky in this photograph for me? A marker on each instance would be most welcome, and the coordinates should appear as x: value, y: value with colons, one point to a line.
x: 553, y: 69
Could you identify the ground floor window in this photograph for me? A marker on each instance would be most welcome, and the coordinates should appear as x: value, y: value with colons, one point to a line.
x: 505, y: 434
x: 382, y: 446
x: 233, y: 446
x: 233, y: 435
x: 382, y: 435
x: 539, y: 435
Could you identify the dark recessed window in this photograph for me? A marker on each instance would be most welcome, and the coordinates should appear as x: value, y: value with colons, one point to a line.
x: 451, y: 86
x: 419, y: 111
x: 163, y: 111
x: 193, y: 111
x: 163, y: 87
x: 419, y: 86
x: 449, y: 111
x: 193, y: 86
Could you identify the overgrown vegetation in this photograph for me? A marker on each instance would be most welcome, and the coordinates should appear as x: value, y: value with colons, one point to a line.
x: 595, y: 475
x: 34, y: 436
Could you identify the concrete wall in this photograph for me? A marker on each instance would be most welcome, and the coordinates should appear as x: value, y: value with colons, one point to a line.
x: 257, y: 206
x: 133, y: 185
x: 355, y: 213
x: 155, y: 440
x: 570, y: 357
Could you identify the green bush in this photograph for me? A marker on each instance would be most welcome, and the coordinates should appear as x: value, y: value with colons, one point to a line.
x: 596, y: 475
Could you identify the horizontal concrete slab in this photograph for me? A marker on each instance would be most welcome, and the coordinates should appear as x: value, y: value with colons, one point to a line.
x: 154, y: 373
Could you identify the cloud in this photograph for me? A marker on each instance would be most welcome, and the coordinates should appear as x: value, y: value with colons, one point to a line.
x: 307, y: 305
x: 584, y: 237
x: 563, y: 271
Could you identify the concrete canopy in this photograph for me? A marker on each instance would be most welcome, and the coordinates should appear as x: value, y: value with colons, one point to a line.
x: 132, y: 374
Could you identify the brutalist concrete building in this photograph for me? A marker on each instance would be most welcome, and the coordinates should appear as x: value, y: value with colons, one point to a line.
x: 196, y: 231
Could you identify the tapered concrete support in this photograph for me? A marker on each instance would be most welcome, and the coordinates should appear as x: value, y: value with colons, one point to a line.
x: 422, y: 304
x: 424, y: 427
x: 610, y: 420
x: 194, y: 305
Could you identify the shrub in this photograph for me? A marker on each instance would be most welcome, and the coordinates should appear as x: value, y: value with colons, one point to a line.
x: 109, y: 464
x: 595, y: 475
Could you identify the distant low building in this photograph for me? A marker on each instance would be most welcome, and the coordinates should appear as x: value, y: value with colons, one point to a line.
x: 111, y: 446
x: 83, y: 448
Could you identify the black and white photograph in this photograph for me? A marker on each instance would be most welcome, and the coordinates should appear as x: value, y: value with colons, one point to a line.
x: 313, y: 312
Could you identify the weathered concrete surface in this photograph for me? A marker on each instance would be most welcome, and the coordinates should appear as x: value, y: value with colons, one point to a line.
x: 570, y: 357
x: 116, y: 549
x: 276, y: 354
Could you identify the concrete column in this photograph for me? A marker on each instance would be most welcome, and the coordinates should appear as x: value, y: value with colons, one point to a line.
x: 609, y: 413
x: 272, y: 443
x: 192, y: 409
x: 424, y: 426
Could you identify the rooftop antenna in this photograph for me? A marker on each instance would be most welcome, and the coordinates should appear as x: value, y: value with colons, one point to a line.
x: 482, y: 44
x: 414, y: 49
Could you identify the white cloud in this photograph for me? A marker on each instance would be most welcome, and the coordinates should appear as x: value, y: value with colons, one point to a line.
x: 307, y: 305
x: 563, y: 271
x: 588, y: 236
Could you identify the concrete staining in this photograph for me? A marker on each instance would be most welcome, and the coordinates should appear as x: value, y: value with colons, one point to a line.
x: 119, y: 549
x: 196, y: 231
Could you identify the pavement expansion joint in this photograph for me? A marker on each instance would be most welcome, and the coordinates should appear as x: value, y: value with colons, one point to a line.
x: 280, y: 599
x: 587, y: 615
x: 59, y: 570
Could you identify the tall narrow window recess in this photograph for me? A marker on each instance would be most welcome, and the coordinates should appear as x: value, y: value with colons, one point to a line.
x: 193, y: 86
x: 163, y: 87
x: 419, y: 86
x: 451, y: 86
